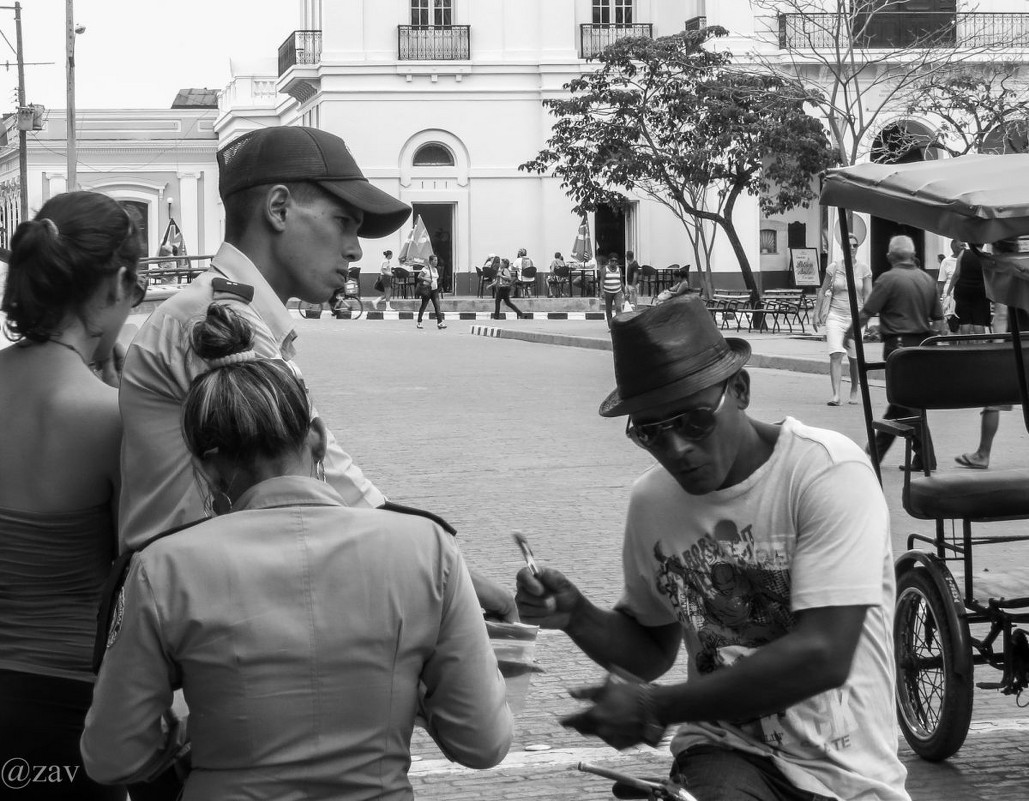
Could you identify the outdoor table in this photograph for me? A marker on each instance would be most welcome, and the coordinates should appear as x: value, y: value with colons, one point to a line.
x: 585, y: 273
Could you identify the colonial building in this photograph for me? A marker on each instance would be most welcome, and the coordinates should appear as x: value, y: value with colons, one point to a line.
x: 162, y: 162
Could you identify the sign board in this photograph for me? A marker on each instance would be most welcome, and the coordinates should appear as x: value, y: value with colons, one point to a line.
x: 804, y: 262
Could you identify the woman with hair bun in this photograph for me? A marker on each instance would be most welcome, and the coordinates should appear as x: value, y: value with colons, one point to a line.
x: 306, y: 635
x: 70, y: 285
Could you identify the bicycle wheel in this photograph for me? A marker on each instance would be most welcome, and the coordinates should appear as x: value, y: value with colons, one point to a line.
x: 348, y: 308
x: 934, y: 669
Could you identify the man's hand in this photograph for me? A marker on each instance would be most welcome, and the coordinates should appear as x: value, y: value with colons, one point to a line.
x: 547, y: 601
x: 496, y: 600
x: 618, y: 716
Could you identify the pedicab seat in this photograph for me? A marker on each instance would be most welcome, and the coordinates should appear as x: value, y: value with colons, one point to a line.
x: 976, y: 495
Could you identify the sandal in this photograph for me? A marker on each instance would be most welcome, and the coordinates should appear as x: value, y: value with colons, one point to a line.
x: 964, y: 460
x: 833, y: 403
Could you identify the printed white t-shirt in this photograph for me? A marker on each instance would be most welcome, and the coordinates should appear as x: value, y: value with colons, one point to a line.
x: 808, y: 529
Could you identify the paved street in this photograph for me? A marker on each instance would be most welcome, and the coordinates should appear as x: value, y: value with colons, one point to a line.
x: 497, y: 434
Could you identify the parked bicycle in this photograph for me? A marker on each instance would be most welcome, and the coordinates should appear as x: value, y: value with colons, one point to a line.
x: 347, y: 303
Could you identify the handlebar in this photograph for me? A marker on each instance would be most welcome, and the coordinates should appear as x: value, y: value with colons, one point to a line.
x: 632, y: 787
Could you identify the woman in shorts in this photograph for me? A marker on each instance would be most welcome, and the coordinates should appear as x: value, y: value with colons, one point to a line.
x: 834, y: 314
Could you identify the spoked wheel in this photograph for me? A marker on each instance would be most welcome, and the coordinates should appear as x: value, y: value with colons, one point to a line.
x: 348, y: 308
x: 934, y: 668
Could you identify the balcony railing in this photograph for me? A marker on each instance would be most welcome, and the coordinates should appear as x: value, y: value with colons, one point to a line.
x: 594, y: 38
x: 696, y: 23
x: 896, y: 29
x: 300, y: 47
x: 433, y: 42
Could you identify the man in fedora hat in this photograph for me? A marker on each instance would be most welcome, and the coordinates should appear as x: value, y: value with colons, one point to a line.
x: 765, y: 548
x: 295, y: 204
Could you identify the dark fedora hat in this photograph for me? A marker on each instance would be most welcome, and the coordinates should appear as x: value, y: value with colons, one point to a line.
x: 292, y: 153
x: 669, y: 352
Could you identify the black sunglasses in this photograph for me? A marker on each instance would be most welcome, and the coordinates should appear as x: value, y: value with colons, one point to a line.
x: 694, y: 425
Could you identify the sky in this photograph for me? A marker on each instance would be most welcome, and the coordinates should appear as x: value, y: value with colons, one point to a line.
x: 137, y: 53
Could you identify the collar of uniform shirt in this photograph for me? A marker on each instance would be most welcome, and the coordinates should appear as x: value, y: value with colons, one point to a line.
x: 236, y: 266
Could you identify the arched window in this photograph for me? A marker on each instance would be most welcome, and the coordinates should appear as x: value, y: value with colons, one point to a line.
x: 433, y: 155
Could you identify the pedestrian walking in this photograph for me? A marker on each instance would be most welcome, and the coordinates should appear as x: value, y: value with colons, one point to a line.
x: 71, y: 284
x: 632, y: 278
x: 296, y: 204
x: 765, y: 549
x: 505, y: 285
x: 428, y: 288
x: 385, y: 281
x: 306, y: 635
x: 909, y: 311
x: 833, y: 312
x: 613, y: 287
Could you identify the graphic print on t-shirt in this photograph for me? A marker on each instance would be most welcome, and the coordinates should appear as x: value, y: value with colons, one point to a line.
x: 734, y: 595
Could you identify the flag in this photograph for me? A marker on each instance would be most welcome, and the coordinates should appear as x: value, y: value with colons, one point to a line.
x: 417, y: 248
x: 173, y: 244
x: 582, y: 250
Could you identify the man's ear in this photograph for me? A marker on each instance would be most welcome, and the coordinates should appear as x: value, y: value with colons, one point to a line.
x: 318, y: 439
x: 276, y: 204
x: 740, y: 389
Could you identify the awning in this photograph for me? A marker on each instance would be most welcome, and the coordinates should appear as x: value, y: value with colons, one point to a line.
x: 972, y: 198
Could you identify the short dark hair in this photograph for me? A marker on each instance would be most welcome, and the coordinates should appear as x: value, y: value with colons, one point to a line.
x: 60, y: 257
x: 241, y: 206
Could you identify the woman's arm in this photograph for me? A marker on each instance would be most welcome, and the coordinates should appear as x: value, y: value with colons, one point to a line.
x: 465, y: 701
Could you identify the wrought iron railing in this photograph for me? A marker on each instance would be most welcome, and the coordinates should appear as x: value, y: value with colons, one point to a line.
x: 300, y: 47
x: 434, y: 42
x: 896, y: 29
x: 173, y: 269
x: 595, y: 37
x: 696, y: 23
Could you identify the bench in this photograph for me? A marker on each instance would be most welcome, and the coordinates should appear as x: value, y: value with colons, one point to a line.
x: 789, y: 306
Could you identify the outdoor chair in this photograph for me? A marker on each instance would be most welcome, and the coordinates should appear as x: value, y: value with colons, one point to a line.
x: 561, y: 273
x: 648, y: 280
x: 486, y: 275
x: 527, y: 282
x: 401, y: 281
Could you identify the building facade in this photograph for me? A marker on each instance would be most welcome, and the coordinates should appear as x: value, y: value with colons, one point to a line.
x: 161, y: 162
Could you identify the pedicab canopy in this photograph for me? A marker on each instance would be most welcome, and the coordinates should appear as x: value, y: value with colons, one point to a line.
x: 978, y: 199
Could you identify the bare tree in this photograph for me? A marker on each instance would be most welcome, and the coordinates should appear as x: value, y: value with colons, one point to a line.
x: 859, y: 59
x: 981, y: 108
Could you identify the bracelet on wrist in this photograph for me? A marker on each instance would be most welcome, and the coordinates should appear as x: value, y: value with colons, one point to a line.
x: 653, y: 729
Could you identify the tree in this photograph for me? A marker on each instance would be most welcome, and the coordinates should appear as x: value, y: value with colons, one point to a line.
x: 671, y: 120
x: 858, y: 59
x: 980, y: 109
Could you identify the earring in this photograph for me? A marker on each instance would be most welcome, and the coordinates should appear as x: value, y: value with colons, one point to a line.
x: 319, y: 470
x: 224, y: 504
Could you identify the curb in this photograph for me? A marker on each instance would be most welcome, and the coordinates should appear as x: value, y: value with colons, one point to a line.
x: 796, y: 364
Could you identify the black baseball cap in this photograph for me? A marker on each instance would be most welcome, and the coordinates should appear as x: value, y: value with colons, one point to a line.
x: 291, y: 153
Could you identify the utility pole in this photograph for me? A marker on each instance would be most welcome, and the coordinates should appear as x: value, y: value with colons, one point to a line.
x: 23, y: 151
x: 69, y: 13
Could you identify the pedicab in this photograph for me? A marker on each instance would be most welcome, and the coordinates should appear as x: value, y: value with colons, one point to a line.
x: 951, y: 616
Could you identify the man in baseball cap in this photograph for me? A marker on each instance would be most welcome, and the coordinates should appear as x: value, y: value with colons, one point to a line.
x: 295, y: 204
x: 766, y: 549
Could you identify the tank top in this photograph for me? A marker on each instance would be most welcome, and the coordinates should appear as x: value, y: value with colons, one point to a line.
x: 52, y: 567
x: 612, y: 280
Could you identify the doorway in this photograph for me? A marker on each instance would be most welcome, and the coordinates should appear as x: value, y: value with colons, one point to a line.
x: 438, y: 219
x: 901, y: 143
x: 610, y: 233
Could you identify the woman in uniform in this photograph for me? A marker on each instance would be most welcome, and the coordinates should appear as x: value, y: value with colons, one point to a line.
x: 306, y: 635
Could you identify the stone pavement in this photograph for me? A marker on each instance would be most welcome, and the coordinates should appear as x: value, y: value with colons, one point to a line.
x: 497, y: 434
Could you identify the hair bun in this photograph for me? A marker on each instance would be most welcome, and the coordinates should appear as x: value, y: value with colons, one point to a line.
x: 221, y: 334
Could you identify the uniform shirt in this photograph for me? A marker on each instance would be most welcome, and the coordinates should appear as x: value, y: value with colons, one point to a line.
x: 808, y: 529
x: 905, y: 299
x: 159, y: 490
x: 306, y: 637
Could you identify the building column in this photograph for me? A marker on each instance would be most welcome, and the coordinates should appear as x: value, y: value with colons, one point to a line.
x: 189, y: 207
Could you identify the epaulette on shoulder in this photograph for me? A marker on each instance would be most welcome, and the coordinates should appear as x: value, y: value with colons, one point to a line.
x: 233, y: 289
x: 389, y: 506
x: 111, y: 601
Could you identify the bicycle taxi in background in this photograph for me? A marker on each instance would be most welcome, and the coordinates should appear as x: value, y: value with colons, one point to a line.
x: 951, y: 616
